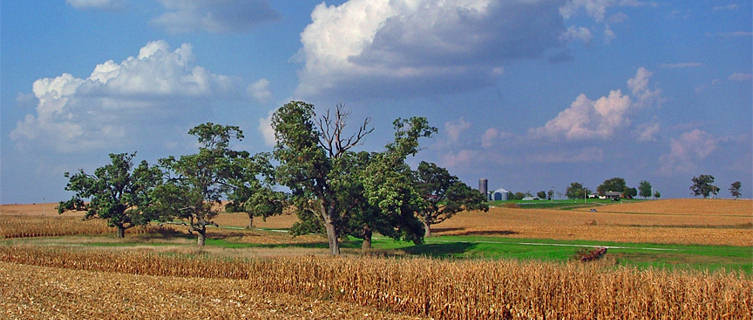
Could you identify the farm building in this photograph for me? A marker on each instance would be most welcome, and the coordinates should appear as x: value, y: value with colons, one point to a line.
x: 611, y: 195
x: 500, y: 194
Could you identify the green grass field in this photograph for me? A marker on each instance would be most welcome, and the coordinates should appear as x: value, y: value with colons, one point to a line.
x: 641, y: 255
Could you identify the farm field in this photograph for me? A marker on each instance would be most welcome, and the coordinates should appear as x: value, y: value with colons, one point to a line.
x: 681, y: 221
x: 687, y: 258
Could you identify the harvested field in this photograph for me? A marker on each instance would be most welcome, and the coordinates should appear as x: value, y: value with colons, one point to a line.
x: 241, y: 220
x: 416, y: 287
x: 55, y: 293
x: 694, y: 207
x: 664, y: 224
x: 36, y: 209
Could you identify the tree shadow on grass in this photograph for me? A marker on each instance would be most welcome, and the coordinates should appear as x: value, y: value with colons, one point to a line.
x: 463, y: 232
x: 164, y: 234
x: 440, y: 249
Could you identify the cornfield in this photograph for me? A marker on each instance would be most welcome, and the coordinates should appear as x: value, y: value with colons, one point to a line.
x: 442, y: 289
x: 46, y: 226
x: 42, y: 226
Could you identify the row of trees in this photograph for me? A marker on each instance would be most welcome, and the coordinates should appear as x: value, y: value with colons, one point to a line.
x: 616, y: 184
x: 702, y: 185
x: 333, y: 189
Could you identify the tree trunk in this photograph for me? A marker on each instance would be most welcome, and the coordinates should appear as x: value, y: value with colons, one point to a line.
x: 121, y: 232
x: 250, y: 221
x: 427, y: 229
x: 329, y: 225
x: 366, y: 245
x: 201, y: 238
x: 334, y: 243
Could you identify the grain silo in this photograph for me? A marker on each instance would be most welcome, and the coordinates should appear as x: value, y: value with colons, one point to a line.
x: 483, y: 187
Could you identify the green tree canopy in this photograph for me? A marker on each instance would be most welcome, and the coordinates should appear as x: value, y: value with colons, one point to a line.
x: 703, y: 186
x: 198, y: 182
x: 444, y: 195
x: 252, y: 179
x: 734, y: 189
x: 576, y: 191
x: 615, y: 184
x: 308, y: 152
x: 630, y: 193
x: 645, y: 189
x: 117, y: 192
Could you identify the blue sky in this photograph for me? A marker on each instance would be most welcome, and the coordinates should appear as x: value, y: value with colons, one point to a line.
x: 530, y: 94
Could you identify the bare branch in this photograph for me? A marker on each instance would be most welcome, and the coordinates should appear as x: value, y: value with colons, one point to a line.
x: 332, y: 139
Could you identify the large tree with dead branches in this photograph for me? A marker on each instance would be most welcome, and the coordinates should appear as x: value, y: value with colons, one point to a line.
x: 309, y: 151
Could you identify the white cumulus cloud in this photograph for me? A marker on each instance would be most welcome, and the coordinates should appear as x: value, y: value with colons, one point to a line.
x: 266, y: 130
x: 259, y: 90
x: 686, y: 150
x: 647, y: 131
x: 455, y: 128
x: 639, y: 86
x: 74, y: 114
x: 492, y: 136
x: 603, y: 117
x: 577, y: 33
x: 380, y: 47
x: 214, y: 16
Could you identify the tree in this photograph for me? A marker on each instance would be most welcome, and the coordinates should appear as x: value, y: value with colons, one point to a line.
x: 389, y: 184
x: 645, y: 189
x: 307, y: 154
x: 252, y: 193
x: 541, y: 194
x: 703, y: 185
x: 359, y: 217
x: 549, y: 194
x: 576, y: 191
x: 657, y: 194
x: 630, y: 193
x: 734, y: 189
x: 444, y: 194
x: 117, y: 192
x: 615, y: 184
x: 198, y: 182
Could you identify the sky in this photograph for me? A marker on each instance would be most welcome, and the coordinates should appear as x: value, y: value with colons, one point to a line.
x: 530, y: 94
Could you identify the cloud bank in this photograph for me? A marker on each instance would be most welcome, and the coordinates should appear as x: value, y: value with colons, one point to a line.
x: 117, y: 100
x: 604, y: 117
x: 413, y: 47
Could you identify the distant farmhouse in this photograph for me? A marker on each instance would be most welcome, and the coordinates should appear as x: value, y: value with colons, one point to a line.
x: 614, y: 195
x: 500, y: 194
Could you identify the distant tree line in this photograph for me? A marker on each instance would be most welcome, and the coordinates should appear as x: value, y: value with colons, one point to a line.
x: 333, y: 189
x: 702, y: 185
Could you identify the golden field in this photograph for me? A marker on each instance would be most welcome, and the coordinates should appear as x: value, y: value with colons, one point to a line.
x: 680, y: 221
x: 55, y: 293
x: 176, y: 280
x: 413, y: 287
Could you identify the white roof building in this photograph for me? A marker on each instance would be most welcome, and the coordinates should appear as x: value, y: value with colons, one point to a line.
x: 500, y: 194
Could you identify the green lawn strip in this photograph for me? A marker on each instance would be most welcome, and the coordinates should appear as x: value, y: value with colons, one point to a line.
x: 666, y: 256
